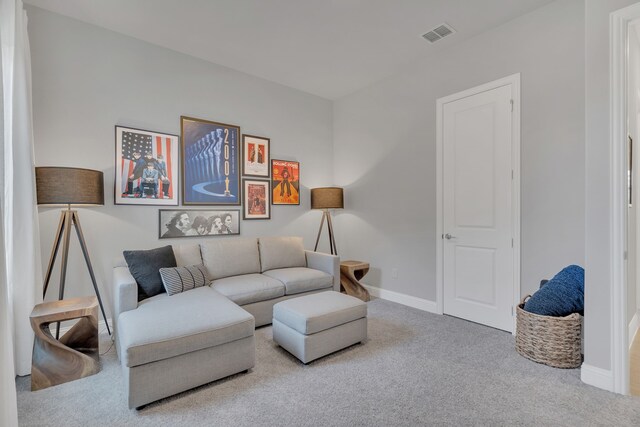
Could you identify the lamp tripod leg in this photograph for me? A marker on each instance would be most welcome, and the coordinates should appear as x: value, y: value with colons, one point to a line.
x: 65, y: 258
x: 332, y: 240
x: 85, y: 252
x: 54, y: 253
x: 324, y: 213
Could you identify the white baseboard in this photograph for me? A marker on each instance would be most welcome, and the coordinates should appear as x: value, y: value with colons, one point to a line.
x: 102, y: 327
x: 415, y: 302
x: 633, y: 328
x: 597, y: 377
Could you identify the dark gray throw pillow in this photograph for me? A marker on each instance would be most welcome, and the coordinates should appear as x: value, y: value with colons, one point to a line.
x: 145, y: 268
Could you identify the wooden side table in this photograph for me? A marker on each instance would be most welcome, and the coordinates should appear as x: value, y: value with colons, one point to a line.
x: 350, y: 274
x: 76, y: 354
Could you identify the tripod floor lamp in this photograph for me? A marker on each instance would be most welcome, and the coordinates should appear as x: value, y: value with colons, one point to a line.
x: 326, y: 198
x: 69, y: 186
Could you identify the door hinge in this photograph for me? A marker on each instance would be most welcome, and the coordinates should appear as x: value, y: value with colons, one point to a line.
x: 511, y: 311
x: 511, y: 174
x: 511, y: 101
x: 511, y: 242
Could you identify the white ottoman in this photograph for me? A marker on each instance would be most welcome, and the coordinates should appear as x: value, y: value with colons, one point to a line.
x: 313, y: 326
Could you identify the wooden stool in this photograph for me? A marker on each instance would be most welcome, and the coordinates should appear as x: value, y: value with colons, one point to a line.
x: 350, y: 274
x: 76, y: 354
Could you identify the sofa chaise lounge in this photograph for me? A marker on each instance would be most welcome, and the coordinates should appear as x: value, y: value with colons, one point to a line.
x: 169, y: 344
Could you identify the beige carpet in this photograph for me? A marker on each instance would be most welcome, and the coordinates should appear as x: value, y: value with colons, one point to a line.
x: 416, y: 369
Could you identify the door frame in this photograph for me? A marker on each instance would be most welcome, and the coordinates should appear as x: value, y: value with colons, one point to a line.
x: 514, y: 81
x: 619, y: 22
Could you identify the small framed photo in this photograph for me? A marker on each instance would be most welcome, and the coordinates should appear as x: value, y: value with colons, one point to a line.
x: 210, y: 162
x: 256, y: 199
x: 285, y: 182
x: 255, y: 157
x: 198, y: 223
x: 146, y: 168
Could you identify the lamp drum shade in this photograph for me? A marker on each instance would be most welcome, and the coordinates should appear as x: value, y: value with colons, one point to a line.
x: 69, y: 186
x: 327, y: 198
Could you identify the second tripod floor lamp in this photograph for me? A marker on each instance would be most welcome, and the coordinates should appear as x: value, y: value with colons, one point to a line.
x: 326, y: 198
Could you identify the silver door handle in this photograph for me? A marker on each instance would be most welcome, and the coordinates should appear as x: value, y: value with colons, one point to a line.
x: 449, y: 236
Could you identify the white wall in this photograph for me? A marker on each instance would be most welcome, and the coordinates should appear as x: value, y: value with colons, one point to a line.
x: 385, y: 139
x: 87, y: 79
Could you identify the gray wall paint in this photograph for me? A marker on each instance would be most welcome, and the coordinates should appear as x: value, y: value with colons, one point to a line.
x: 385, y: 146
x: 597, y: 319
x: 87, y: 79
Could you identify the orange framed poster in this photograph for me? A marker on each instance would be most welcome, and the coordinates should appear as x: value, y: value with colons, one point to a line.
x: 285, y: 182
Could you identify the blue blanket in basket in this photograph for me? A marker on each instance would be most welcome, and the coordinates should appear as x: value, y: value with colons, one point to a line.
x: 560, y: 296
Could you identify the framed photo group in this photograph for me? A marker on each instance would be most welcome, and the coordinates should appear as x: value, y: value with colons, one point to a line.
x: 217, y: 166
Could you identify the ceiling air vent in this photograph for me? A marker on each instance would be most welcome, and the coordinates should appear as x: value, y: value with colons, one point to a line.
x: 439, y: 32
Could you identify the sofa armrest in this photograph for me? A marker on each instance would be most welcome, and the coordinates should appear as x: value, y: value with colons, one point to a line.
x: 330, y: 264
x: 125, y: 292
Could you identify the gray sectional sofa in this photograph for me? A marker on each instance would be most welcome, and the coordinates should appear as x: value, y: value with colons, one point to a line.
x: 169, y: 344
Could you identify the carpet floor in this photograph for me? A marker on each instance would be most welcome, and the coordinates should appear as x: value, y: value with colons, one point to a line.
x: 416, y: 368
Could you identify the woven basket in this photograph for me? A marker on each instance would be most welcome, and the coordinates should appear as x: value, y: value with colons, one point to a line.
x: 554, y: 341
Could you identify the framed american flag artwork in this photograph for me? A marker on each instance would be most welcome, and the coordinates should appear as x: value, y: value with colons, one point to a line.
x: 146, y: 168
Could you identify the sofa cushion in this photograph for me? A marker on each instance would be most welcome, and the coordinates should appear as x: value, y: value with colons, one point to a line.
x: 145, y: 267
x: 281, y: 252
x: 230, y: 257
x: 314, y: 313
x: 187, y: 254
x: 301, y: 279
x: 180, y: 279
x: 163, y: 326
x: 248, y: 288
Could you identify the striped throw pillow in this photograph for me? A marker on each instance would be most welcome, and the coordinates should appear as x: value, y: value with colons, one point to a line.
x: 180, y: 279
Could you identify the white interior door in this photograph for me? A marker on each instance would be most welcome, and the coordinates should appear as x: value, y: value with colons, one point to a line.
x: 478, y: 254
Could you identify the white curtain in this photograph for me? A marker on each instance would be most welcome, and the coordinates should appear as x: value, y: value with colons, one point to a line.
x: 21, y: 279
x: 8, y: 403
